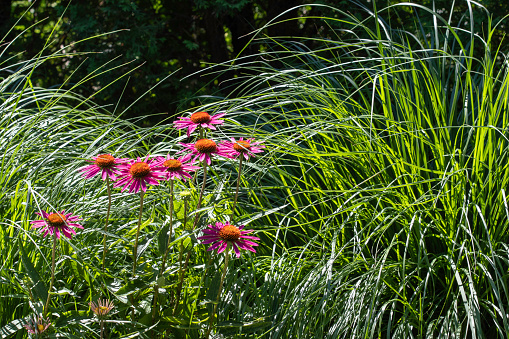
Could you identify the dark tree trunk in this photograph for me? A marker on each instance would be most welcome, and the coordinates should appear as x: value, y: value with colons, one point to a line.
x: 288, y: 28
x: 240, y: 26
x: 214, y: 32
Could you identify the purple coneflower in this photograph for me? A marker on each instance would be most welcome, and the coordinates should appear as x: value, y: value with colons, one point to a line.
x: 176, y: 168
x: 136, y: 174
x: 202, y: 119
x: 57, y: 223
x: 102, y: 307
x: 247, y: 148
x: 227, y: 233
x: 37, y: 325
x: 203, y: 150
x: 104, y: 163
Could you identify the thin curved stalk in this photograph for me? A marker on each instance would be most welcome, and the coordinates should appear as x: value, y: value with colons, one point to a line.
x: 107, y: 219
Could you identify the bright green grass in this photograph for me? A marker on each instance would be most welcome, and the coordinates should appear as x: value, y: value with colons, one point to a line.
x: 390, y: 157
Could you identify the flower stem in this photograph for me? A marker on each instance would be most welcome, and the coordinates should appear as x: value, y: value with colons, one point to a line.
x: 237, y: 189
x: 181, y: 281
x: 171, y: 229
x: 179, y: 287
x: 102, y: 328
x: 201, y: 194
x: 185, y: 215
x: 107, y: 219
x: 52, y: 273
x: 135, y: 249
x: 181, y: 251
x: 163, y: 265
x: 226, y: 257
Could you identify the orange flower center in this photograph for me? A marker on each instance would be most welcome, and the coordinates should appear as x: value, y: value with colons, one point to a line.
x: 172, y: 165
x: 139, y: 170
x: 104, y: 161
x: 56, y: 219
x: 200, y: 117
x: 40, y: 327
x: 242, y: 146
x: 205, y: 146
x: 229, y: 233
x: 103, y: 310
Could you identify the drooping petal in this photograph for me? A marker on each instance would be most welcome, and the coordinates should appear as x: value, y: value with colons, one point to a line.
x: 236, y: 249
x: 216, y: 245
x: 223, y: 247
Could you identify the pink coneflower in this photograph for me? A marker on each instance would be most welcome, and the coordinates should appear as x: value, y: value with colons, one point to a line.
x: 202, y: 119
x: 102, y: 308
x: 227, y: 233
x: 203, y: 150
x: 243, y: 147
x: 104, y: 163
x: 176, y: 168
x: 136, y: 174
x: 37, y: 325
x: 57, y: 223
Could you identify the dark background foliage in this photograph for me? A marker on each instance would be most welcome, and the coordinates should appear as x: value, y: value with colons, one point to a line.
x: 166, y: 36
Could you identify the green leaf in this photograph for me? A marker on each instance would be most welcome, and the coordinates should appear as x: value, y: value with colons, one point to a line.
x: 39, y: 288
x: 11, y: 328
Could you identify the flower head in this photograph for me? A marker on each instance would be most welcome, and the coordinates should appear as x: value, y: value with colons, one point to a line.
x: 104, y: 163
x: 185, y: 195
x: 176, y: 168
x: 221, y: 235
x: 37, y: 325
x: 102, y: 308
x: 203, y: 150
x: 241, y: 147
x: 136, y: 174
x: 59, y: 222
x: 202, y: 119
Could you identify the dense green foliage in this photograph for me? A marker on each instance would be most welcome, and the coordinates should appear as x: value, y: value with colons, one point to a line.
x: 381, y: 197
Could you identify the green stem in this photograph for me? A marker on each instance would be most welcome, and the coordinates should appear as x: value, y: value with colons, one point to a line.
x: 179, y: 286
x: 171, y: 229
x: 185, y: 214
x: 238, y: 184
x: 226, y: 257
x: 52, y: 272
x: 181, y: 252
x: 107, y: 219
x: 135, y: 249
x: 102, y: 329
x: 154, y: 307
x: 181, y: 281
x: 201, y: 194
x: 163, y: 265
